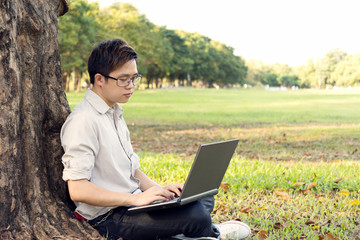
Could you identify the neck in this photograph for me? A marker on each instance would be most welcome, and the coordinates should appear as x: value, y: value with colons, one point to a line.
x: 99, y: 93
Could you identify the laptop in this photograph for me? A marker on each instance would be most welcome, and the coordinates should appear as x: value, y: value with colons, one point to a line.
x: 205, y: 176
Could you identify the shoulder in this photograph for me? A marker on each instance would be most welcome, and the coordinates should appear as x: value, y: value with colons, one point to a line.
x: 83, y: 116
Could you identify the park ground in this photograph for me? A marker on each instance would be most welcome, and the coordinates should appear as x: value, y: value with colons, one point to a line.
x: 295, y: 173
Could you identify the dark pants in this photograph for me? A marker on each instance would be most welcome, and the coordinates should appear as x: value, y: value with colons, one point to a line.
x: 192, y: 220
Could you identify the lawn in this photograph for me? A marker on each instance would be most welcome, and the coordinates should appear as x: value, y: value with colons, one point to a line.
x: 233, y: 107
x: 295, y: 174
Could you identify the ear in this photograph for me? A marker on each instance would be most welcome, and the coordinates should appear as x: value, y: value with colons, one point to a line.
x: 99, y: 80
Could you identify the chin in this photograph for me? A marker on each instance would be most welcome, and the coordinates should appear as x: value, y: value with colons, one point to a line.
x: 123, y: 101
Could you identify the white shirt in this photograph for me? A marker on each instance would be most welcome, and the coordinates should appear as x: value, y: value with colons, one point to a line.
x: 97, y: 147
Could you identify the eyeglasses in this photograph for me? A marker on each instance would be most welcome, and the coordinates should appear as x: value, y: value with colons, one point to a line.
x: 125, y: 81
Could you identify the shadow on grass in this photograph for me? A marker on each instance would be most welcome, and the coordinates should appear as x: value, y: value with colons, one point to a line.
x: 311, y: 142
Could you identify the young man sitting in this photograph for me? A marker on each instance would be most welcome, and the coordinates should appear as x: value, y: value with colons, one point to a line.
x: 103, y: 172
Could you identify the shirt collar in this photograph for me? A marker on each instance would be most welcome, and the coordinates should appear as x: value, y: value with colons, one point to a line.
x: 118, y: 110
x: 100, y: 105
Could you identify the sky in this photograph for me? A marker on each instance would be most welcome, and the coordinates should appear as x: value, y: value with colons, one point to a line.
x: 273, y: 31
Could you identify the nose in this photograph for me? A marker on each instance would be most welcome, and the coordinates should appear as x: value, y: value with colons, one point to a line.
x: 131, y: 84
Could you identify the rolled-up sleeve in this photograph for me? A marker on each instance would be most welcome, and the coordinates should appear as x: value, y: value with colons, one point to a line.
x: 135, y: 162
x: 80, y: 143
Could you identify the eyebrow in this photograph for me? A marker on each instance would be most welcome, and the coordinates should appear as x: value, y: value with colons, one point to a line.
x: 127, y: 75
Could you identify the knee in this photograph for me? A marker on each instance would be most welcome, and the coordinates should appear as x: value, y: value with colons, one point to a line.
x: 199, y: 219
x: 208, y: 203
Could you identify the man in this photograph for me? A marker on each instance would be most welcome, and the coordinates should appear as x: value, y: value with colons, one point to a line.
x: 103, y: 172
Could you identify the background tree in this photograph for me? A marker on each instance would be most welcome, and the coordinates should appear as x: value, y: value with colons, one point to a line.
x: 256, y: 71
x: 122, y: 20
x: 158, y: 59
x: 289, y: 80
x: 307, y: 74
x: 347, y: 72
x: 231, y: 68
x: 199, y: 48
x: 271, y: 79
x: 213, y: 62
x: 281, y: 69
x: 285, y: 76
x: 77, y: 35
x: 33, y: 108
x: 175, y: 55
x: 181, y: 62
x: 328, y: 65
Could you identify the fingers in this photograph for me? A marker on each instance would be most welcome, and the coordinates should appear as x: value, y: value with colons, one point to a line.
x: 163, y: 192
x: 175, y: 189
x: 168, y: 194
x: 159, y: 194
x: 151, y: 195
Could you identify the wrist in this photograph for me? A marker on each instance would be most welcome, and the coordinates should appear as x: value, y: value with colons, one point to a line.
x: 132, y: 199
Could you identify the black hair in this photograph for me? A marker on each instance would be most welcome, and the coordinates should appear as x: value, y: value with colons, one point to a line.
x: 109, y: 55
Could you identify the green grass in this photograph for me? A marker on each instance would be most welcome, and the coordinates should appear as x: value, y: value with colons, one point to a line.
x: 302, y: 137
x: 231, y: 107
x: 257, y: 175
x: 251, y: 196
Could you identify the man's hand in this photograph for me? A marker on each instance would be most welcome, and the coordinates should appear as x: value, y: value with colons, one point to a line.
x: 175, y: 188
x: 154, y: 193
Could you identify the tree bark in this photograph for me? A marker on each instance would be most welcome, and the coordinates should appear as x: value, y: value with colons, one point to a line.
x: 33, y: 197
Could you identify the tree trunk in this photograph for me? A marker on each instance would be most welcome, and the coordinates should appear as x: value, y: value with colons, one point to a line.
x: 149, y: 80
x: 78, y: 77
x: 67, y: 84
x: 33, y: 198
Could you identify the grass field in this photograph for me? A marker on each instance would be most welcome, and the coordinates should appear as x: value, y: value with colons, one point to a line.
x: 295, y: 174
x: 231, y: 107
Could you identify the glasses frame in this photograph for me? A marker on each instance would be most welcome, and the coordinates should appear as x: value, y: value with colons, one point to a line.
x: 137, y: 77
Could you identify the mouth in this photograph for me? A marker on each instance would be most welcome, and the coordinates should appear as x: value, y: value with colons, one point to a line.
x: 128, y: 94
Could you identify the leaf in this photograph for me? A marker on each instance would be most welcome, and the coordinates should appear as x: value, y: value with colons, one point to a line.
x: 312, y: 185
x: 354, y: 202
x: 313, y: 222
x: 329, y: 236
x: 298, y: 184
x: 284, y: 195
x: 256, y: 230
x: 309, y: 222
x: 263, y: 235
x: 278, y: 193
x: 262, y: 208
x: 306, y: 191
x: 221, y: 208
x: 344, y: 192
x: 246, y: 210
x: 277, y: 225
x: 225, y: 187
x: 338, y: 180
x: 354, y: 151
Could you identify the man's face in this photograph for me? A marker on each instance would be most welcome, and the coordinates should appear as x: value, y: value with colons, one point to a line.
x: 110, y: 92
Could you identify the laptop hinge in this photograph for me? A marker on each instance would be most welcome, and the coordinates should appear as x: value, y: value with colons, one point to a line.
x: 198, y: 196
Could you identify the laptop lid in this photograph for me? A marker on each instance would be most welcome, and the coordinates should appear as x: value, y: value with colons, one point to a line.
x: 205, y: 176
x: 208, y: 169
